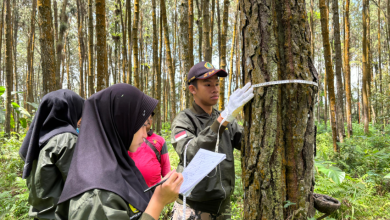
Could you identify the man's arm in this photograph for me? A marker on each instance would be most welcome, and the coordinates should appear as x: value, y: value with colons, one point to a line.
x: 183, y: 131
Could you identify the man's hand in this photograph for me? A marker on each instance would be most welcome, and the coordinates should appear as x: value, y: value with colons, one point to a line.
x: 237, y: 101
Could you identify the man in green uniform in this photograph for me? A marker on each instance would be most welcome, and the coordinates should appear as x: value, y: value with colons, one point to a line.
x: 199, y: 127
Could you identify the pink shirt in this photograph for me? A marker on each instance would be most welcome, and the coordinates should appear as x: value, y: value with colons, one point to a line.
x: 146, y: 160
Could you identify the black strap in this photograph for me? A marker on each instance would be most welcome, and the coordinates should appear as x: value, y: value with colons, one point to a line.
x: 154, y: 149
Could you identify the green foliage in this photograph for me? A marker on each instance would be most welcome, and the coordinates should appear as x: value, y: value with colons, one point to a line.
x: 13, y: 190
x: 365, y: 162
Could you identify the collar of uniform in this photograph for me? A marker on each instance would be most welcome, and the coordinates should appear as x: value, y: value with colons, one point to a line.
x: 195, y: 108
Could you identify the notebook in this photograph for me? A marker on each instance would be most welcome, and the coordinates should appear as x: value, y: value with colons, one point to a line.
x: 201, y: 165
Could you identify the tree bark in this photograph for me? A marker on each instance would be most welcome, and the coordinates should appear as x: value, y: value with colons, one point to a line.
x: 171, y: 70
x: 91, y: 73
x: 347, y: 71
x: 329, y: 70
x: 60, y: 42
x: 8, y: 70
x: 206, y: 31
x: 232, y: 52
x: 277, y: 152
x: 366, y: 70
x: 129, y: 64
x: 135, y: 44
x: 221, y: 102
x: 340, y: 92
x: 49, y: 76
x: 101, y: 57
x: 185, y: 58
x: 124, y: 49
x: 30, y: 56
x: 200, y: 29
x: 80, y: 19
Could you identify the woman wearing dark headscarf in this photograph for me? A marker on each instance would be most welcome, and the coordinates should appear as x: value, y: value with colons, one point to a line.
x: 47, y: 150
x: 103, y: 181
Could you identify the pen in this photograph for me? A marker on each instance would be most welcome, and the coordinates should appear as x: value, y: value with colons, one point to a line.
x: 154, y: 186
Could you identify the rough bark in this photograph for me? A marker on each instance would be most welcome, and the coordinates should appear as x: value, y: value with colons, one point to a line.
x: 30, y: 56
x: 200, y: 29
x: 91, y: 75
x: 46, y: 39
x: 277, y: 152
x: 135, y: 44
x: 171, y: 70
x: 101, y: 51
x: 191, y: 31
x: 340, y: 92
x: 124, y: 48
x: 222, y: 55
x: 8, y: 66
x: 129, y: 64
x: 206, y: 31
x: 60, y: 42
x: 347, y: 71
x: 185, y: 58
x: 329, y: 70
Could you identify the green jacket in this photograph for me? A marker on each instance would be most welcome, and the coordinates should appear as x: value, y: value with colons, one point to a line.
x: 97, y: 204
x: 48, y: 175
x: 201, y: 129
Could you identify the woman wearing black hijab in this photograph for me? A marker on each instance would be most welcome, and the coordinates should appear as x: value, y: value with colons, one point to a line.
x: 103, y: 181
x: 47, y: 150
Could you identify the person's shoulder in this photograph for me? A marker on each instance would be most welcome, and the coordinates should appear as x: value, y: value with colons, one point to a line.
x: 182, y: 117
x: 158, y: 138
x: 62, y: 139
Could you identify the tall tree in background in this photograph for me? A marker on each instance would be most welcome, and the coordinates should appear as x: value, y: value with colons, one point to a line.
x: 91, y: 72
x: 340, y: 92
x: 366, y: 70
x: 221, y: 102
x: 329, y: 70
x: 200, y: 29
x: 206, y: 31
x: 47, y: 46
x: 380, y: 56
x: 171, y: 70
x: 135, y: 44
x: 277, y: 160
x: 232, y: 50
x: 185, y: 57
x: 30, y: 56
x: 60, y: 42
x: 101, y: 58
x: 156, y: 68
x: 80, y: 19
x: 347, y: 70
x: 191, y: 31
x: 8, y: 66
x: 129, y: 64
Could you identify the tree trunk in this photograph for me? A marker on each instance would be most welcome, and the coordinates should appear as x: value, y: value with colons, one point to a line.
x: 232, y: 51
x: 60, y: 42
x: 200, y: 29
x: 8, y: 66
x: 101, y: 57
x: 124, y: 49
x: 277, y: 160
x: 329, y: 70
x: 80, y: 19
x: 221, y: 102
x: 171, y: 70
x: 156, y: 68
x: 206, y: 31
x: 55, y: 21
x: 49, y: 76
x: 30, y: 56
x: 340, y: 95
x: 91, y: 73
x: 135, y: 43
x: 129, y: 64
x: 191, y: 31
x: 347, y: 70
x: 185, y: 58
x: 366, y: 70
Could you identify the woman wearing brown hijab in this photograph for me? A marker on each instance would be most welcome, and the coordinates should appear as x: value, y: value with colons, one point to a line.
x: 103, y: 181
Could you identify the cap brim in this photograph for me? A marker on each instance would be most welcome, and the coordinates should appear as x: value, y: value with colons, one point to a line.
x: 220, y: 73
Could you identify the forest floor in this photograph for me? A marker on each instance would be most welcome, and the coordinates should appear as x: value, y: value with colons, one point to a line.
x: 358, y: 176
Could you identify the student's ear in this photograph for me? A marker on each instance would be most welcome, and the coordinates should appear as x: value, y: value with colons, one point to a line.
x: 192, y: 89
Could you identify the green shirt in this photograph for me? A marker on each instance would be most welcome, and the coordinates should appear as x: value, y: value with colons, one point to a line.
x: 48, y: 175
x: 100, y: 204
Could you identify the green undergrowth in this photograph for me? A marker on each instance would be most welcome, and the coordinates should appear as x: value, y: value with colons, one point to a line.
x: 356, y: 176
